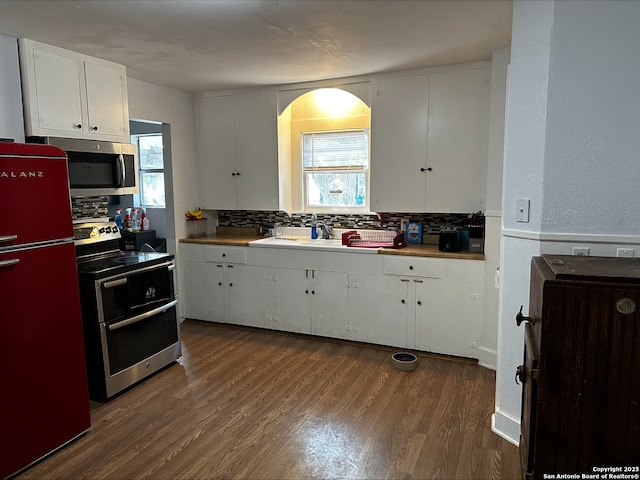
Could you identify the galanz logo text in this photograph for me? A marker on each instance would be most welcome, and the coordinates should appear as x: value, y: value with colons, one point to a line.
x: 12, y: 174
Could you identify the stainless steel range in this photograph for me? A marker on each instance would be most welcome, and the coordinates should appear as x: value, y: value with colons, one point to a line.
x: 129, y: 310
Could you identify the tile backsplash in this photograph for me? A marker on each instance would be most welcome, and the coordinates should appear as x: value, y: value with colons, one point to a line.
x: 432, y: 223
x: 89, y: 207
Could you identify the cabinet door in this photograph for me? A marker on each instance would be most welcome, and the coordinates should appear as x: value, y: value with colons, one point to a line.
x: 256, y: 134
x: 53, y: 92
x: 452, y: 322
x: 329, y: 303
x: 108, y: 112
x: 203, y: 291
x: 378, y: 309
x: 399, y: 144
x: 247, y: 295
x: 217, y: 153
x: 457, y: 140
x: 292, y: 300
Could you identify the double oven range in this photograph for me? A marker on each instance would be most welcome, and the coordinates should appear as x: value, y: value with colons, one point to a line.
x: 129, y: 310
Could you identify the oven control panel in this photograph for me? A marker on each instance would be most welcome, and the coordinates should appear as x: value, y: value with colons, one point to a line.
x: 93, y: 232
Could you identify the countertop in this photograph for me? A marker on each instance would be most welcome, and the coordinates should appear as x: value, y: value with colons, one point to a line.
x: 241, y: 237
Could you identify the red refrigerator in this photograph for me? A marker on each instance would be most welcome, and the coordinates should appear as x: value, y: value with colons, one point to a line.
x: 44, y: 402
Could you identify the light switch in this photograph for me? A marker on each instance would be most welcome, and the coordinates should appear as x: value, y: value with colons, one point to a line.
x: 522, y: 210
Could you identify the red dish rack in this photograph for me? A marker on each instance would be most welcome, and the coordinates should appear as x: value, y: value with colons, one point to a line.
x: 374, y: 239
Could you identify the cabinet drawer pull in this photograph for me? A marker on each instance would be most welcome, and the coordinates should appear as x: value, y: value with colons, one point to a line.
x: 428, y: 169
x: 521, y: 318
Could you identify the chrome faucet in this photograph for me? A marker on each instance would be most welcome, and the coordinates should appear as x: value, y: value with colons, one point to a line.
x: 327, y: 230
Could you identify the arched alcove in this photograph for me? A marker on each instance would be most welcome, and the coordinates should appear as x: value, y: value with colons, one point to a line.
x: 313, y: 110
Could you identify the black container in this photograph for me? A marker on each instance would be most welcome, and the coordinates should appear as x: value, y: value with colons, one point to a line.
x: 133, y: 241
x: 450, y: 240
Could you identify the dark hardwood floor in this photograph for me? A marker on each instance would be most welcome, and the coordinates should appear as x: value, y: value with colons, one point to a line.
x: 253, y: 404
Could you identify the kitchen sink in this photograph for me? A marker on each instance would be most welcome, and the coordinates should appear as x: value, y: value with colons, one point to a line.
x: 306, y: 243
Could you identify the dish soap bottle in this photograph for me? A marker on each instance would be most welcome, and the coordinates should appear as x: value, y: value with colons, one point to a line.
x: 314, y: 228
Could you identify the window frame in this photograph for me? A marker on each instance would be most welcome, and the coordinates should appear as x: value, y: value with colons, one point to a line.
x: 364, y: 208
x: 142, y: 171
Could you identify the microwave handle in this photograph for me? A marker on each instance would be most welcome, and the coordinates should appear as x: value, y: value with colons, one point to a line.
x: 120, y: 171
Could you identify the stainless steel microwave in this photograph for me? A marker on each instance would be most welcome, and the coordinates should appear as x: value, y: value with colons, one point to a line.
x: 97, y: 167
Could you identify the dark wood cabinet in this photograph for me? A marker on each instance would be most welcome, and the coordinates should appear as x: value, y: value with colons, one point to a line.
x: 581, y: 369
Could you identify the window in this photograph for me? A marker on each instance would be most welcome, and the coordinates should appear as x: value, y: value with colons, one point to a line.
x: 151, y: 170
x: 335, y: 168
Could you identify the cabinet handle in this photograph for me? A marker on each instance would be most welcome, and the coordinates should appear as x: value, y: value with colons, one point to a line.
x: 404, y: 279
x: 428, y: 169
x: 235, y: 174
x: 521, y: 374
x: 78, y: 126
x: 231, y: 284
x: 521, y: 318
x: 403, y: 301
x: 307, y: 292
x: 219, y: 284
x: 410, y: 267
x: 418, y: 281
x: 313, y: 292
x: 419, y: 302
x: 94, y: 128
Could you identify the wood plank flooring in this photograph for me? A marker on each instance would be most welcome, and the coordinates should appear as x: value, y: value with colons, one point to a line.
x: 252, y: 404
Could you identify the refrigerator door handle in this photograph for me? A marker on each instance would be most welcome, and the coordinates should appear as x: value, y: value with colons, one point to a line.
x: 8, y: 263
x: 8, y: 238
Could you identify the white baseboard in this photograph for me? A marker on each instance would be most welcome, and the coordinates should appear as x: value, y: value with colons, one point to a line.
x: 506, y: 427
x: 487, y: 358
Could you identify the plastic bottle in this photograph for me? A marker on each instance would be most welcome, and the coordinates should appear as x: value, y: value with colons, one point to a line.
x: 314, y: 228
x: 128, y: 224
x: 118, y: 219
x: 135, y: 220
x: 144, y: 221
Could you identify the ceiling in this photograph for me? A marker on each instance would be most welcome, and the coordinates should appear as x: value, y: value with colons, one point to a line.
x: 206, y: 45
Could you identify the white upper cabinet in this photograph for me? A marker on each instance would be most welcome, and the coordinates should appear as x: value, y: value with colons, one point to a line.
x: 457, y: 140
x: 238, y: 151
x: 67, y: 94
x: 399, y: 112
x: 429, y: 137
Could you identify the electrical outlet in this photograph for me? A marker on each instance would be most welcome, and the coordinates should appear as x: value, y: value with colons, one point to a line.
x: 581, y: 251
x: 625, y: 252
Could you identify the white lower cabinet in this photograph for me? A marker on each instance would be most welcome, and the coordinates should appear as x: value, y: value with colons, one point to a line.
x: 305, y: 300
x: 433, y: 305
x: 452, y: 324
x: 219, y: 292
x: 378, y: 310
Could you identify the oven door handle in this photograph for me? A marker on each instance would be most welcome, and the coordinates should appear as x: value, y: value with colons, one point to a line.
x: 115, y: 283
x: 142, y: 316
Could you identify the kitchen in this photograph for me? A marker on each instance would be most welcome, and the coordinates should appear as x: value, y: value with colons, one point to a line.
x: 522, y: 173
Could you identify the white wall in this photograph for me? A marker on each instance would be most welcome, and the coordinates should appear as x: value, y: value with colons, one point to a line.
x: 174, y: 107
x: 572, y: 147
x: 493, y: 216
x: 11, y: 119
